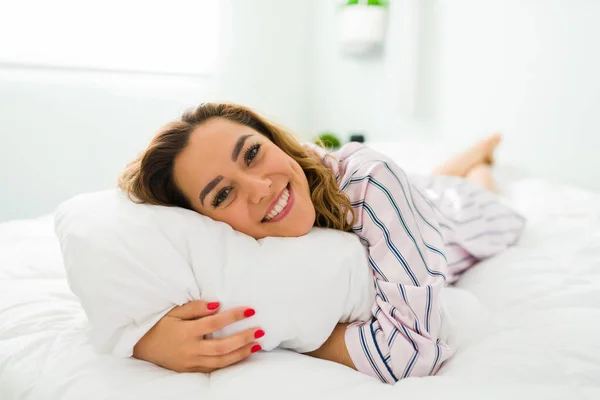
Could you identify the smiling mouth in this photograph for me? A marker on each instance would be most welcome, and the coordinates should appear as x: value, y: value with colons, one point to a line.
x: 282, y: 207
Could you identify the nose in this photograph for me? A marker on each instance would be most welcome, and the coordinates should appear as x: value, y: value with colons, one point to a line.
x: 258, y: 188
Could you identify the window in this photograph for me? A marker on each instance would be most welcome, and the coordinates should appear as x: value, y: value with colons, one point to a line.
x: 174, y: 36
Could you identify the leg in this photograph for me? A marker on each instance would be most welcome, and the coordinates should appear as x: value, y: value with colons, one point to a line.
x: 482, y: 176
x: 460, y: 165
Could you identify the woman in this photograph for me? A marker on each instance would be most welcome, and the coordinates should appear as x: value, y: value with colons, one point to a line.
x: 226, y: 162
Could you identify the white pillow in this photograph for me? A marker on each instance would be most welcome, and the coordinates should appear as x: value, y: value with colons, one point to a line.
x: 130, y: 264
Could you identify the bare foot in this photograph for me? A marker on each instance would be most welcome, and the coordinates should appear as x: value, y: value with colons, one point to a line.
x: 488, y: 145
x: 480, y: 153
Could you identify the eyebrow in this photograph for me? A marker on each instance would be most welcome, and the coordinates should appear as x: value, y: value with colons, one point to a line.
x: 238, y: 147
x: 208, y: 188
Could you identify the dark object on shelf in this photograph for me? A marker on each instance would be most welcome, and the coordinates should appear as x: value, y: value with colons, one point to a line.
x: 359, y: 137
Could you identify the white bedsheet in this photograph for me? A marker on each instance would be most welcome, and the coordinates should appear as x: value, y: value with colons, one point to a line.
x: 536, y: 337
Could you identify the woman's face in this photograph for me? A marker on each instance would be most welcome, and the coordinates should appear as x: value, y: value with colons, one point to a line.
x: 231, y: 173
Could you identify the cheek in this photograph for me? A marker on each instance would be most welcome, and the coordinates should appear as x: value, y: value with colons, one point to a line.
x: 236, y: 215
x: 298, y: 171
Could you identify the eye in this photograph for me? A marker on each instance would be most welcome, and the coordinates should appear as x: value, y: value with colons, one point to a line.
x: 251, y: 153
x: 220, y: 197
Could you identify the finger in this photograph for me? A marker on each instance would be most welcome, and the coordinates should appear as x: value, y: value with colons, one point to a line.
x: 213, y: 363
x: 194, y: 310
x: 219, y: 347
x: 219, y: 321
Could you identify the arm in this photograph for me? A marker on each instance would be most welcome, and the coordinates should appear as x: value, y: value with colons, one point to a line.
x: 334, y: 349
x: 406, y: 254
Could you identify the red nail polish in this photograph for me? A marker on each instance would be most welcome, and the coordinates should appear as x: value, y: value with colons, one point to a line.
x: 259, y: 333
x: 255, y: 348
x: 213, y: 306
x: 249, y: 312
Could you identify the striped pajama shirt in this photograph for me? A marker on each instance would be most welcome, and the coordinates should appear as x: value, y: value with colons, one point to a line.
x: 421, y: 233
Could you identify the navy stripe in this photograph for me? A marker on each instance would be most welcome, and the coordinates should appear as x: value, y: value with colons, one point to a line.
x: 392, y: 201
x: 416, y: 354
x: 402, y: 187
x: 412, y: 198
x: 403, y: 293
x: 381, y: 355
x: 411, y: 364
x: 442, y: 225
x: 410, y: 339
x: 428, y: 308
x: 386, y: 232
x: 386, y: 235
x: 429, y: 223
x: 364, y: 241
x: 394, y: 205
x: 344, y: 185
x: 380, y: 292
x: 393, y: 336
x: 374, y: 265
x: 368, y: 355
x: 437, y: 356
x: 435, y: 250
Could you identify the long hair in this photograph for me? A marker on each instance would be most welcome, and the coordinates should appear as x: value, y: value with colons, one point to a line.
x: 150, y: 178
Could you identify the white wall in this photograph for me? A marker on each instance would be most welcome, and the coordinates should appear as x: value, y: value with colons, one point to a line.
x: 528, y: 68
x: 525, y: 67
x: 354, y: 94
x: 64, y: 132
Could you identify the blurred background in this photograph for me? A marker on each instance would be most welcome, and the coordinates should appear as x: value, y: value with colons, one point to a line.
x: 85, y: 84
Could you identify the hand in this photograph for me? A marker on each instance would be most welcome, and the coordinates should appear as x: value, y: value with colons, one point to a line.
x: 177, y: 341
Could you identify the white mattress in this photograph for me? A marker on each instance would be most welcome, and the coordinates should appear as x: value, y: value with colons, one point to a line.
x: 538, y: 341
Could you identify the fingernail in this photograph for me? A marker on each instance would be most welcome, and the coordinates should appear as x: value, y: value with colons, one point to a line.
x: 213, y: 306
x: 259, y: 333
x: 255, y: 348
x: 249, y: 312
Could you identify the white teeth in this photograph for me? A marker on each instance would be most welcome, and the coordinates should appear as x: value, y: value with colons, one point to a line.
x: 281, y: 203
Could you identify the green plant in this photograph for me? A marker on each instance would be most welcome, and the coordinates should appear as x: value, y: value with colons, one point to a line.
x: 368, y: 2
x: 328, y: 140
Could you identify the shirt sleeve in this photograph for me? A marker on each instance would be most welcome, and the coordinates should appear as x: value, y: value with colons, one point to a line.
x: 406, y: 255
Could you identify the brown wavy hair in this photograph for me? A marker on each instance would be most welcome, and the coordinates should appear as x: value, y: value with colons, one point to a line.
x: 150, y: 178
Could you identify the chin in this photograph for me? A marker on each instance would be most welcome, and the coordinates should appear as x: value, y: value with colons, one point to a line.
x: 302, y: 232
x: 305, y: 227
x: 297, y: 230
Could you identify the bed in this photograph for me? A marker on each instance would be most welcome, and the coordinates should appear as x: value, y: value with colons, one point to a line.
x: 539, y: 340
